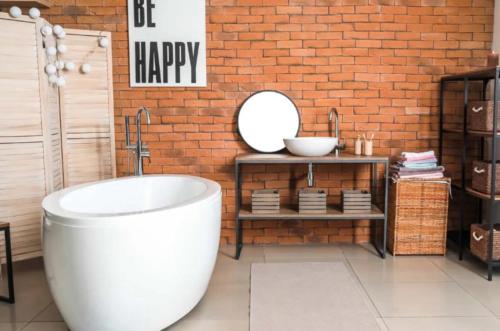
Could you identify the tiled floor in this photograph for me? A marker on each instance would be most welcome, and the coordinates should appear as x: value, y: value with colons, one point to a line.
x: 406, y: 293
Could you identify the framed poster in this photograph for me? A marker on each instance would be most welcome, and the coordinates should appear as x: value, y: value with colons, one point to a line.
x: 167, y: 43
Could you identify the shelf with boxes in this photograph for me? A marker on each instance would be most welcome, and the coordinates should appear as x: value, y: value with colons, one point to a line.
x: 312, y: 202
x: 477, y: 123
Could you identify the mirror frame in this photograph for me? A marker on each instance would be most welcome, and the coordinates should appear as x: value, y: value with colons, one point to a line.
x: 254, y: 94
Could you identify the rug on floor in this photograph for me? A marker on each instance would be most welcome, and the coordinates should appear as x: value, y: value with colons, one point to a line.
x: 307, y: 296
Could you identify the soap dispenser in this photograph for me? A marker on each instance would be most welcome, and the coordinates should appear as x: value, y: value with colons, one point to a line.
x: 358, y: 146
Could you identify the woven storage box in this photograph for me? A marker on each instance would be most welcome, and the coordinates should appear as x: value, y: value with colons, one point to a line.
x: 312, y: 201
x: 265, y: 202
x: 418, y: 215
x: 481, y: 177
x: 479, y: 239
x: 480, y: 116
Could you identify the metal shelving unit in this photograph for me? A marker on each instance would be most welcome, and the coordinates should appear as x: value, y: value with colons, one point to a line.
x: 244, y: 213
x: 484, y: 76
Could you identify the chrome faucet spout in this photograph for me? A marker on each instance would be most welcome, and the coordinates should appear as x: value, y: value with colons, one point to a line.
x: 141, y: 150
x: 330, y: 118
x: 335, y: 113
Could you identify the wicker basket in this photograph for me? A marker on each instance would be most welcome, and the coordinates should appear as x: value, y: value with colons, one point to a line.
x: 418, y: 215
x: 481, y: 177
x: 479, y: 238
x: 480, y: 116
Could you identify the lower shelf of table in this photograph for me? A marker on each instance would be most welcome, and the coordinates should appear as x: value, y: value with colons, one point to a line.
x: 291, y: 213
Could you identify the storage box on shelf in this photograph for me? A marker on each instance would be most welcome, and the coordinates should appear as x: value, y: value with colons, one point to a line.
x: 355, y: 201
x: 418, y: 215
x: 265, y: 201
x: 480, y: 116
x: 312, y: 201
x: 479, y: 241
x: 481, y: 177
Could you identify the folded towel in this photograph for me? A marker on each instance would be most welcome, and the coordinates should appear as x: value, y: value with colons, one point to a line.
x: 419, y: 160
x: 419, y: 165
x: 399, y: 168
x: 422, y: 154
x: 426, y: 176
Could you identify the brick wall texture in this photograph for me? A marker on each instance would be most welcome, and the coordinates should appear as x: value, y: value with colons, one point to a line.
x: 377, y: 61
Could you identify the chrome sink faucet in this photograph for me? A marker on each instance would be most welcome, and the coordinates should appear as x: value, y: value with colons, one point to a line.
x: 140, y: 149
x: 339, y: 146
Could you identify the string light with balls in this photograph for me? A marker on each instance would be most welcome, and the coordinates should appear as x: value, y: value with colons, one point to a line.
x: 55, y: 65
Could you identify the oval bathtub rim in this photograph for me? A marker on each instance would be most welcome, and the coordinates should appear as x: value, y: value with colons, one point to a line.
x: 53, y: 210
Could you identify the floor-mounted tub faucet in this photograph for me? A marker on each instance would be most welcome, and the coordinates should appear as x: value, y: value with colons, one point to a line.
x: 339, y: 146
x: 140, y: 149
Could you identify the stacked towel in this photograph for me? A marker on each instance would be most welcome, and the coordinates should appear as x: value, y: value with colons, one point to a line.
x: 417, y: 165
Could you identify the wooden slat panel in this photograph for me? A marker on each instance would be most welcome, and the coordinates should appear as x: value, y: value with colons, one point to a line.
x: 22, y: 189
x: 86, y: 97
x: 20, y: 109
x: 88, y: 160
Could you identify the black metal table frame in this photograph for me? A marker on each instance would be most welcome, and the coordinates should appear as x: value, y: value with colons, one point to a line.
x: 483, y: 76
x: 238, y: 197
x: 10, y: 274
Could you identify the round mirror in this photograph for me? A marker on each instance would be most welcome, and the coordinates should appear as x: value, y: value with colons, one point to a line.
x: 266, y: 118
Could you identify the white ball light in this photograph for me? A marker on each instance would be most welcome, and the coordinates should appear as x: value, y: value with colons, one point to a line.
x: 86, y: 68
x: 61, y: 35
x: 70, y: 66
x: 15, y: 11
x: 59, y: 65
x: 46, y: 30
x: 61, y: 81
x: 62, y: 48
x: 34, y: 13
x: 51, y: 51
x: 103, y: 42
x: 50, y: 69
x: 53, y: 79
x: 57, y: 29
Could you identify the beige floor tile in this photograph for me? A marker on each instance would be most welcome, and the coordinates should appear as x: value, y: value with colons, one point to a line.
x: 230, y: 272
x: 223, y: 302
x: 50, y: 314
x: 366, y: 251
x: 468, y: 270
x: 398, y: 269
x: 249, y: 253
x: 12, y: 326
x: 487, y: 293
x: 207, y: 325
x: 382, y: 325
x: 444, y: 324
x: 46, y: 326
x: 303, y: 253
x: 31, y: 290
x: 428, y: 299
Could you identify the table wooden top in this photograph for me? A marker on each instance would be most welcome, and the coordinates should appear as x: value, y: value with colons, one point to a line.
x: 289, y: 158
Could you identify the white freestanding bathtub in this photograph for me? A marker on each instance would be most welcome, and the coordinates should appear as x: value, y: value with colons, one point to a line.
x: 135, y: 253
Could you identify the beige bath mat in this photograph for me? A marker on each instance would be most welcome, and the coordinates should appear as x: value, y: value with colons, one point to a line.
x: 307, y: 296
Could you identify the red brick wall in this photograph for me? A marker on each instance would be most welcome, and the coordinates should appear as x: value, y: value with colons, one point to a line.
x: 378, y: 62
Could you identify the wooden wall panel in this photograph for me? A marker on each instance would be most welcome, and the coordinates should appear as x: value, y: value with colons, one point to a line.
x: 87, y: 111
x: 19, y: 79
x: 22, y: 188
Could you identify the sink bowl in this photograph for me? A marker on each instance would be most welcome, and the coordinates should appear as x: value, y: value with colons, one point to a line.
x: 311, y: 146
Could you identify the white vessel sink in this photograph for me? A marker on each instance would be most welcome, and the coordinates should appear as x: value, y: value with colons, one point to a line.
x: 311, y: 146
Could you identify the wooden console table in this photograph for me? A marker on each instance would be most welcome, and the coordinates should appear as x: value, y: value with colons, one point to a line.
x: 244, y: 213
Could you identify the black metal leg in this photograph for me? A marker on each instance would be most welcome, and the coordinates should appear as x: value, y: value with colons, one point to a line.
x: 374, y: 187
x: 10, y: 273
x: 239, y: 242
x: 238, y: 225
x: 386, y: 202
